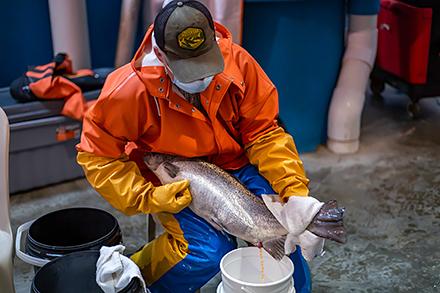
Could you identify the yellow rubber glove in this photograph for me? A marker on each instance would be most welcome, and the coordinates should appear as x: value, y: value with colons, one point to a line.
x: 120, y: 182
x: 277, y: 159
x: 171, y: 198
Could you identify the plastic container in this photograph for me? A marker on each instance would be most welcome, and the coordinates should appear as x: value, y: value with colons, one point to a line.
x: 66, y: 231
x: 404, y: 40
x: 241, y: 272
x: 299, y: 44
x: 38, y: 131
x: 73, y: 273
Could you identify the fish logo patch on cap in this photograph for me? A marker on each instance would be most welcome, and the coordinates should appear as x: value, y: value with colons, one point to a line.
x: 191, y: 38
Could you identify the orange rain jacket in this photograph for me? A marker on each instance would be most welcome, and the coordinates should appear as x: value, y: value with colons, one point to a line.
x: 137, y: 105
x: 53, y: 81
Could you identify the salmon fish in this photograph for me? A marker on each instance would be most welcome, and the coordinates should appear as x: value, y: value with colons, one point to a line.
x: 229, y: 206
x: 222, y: 201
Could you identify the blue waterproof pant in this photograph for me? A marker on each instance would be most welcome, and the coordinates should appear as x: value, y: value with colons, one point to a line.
x: 207, y: 246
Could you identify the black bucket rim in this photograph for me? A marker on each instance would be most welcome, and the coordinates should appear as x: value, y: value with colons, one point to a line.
x: 134, y: 283
x: 74, y: 248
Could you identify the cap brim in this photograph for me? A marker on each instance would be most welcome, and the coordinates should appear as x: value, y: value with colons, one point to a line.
x: 191, y: 69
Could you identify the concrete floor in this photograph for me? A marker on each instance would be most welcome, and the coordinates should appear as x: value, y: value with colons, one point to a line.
x: 391, y: 189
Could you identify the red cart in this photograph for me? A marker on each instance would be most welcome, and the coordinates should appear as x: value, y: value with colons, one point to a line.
x: 408, y: 56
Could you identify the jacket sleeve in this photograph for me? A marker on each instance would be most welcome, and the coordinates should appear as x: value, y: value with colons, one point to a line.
x: 118, y: 117
x: 278, y: 161
x: 119, y: 181
x: 267, y: 145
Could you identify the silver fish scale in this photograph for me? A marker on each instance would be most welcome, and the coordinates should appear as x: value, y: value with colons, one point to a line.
x: 226, y: 203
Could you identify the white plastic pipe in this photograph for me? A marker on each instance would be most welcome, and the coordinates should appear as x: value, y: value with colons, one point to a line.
x: 229, y: 13
x: 345, y: 112
x: 130, y: 11
x: 6, y: 238
x: 70, y: 33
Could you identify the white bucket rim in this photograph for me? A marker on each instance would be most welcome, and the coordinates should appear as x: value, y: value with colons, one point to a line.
x: 220, y: 288
x: 243, y: 283
x: 21, y: 254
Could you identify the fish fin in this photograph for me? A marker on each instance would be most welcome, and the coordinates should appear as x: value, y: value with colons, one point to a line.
x: 171, y: 169
x: 275, y: 247
x: 331, y: 204
x: 214, y: 223
x: 329, y: 223
x: 330, y: 230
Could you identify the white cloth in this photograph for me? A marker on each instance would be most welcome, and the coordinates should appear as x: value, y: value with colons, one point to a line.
x: 114, y: 271
x: 311, y: 245
x: 295, y: 216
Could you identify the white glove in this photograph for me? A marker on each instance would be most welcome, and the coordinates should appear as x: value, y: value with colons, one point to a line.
x: 114, y: 271
x: 295, y: 216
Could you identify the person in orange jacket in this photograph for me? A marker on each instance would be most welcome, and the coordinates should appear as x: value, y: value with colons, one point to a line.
x: 189, y: 91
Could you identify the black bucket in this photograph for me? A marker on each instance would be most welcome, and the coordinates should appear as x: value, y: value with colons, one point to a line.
x: 73, y: 273
x: 71, y: 230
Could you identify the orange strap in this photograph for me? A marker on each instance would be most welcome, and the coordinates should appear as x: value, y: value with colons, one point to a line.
x: 48, y: 83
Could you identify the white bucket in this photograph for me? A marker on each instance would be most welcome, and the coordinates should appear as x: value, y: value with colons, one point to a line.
x: 241, y: 272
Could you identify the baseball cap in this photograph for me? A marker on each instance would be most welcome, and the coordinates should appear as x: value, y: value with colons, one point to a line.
x: 184, y: 31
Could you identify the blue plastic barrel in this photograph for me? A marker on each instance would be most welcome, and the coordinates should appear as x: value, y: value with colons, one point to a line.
x: 25, y: 37
x: 299, y: 43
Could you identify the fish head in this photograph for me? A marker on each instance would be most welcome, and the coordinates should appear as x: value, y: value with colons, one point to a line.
x: 162, y: 166
x: 154, y: 160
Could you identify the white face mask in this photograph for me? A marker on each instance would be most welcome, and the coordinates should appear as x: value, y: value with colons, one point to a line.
x: 194, y: 87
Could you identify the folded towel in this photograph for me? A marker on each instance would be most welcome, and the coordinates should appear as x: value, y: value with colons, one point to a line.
x: 114, y: 271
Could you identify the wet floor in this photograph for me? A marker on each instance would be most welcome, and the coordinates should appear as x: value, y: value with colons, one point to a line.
x: 391, y: 189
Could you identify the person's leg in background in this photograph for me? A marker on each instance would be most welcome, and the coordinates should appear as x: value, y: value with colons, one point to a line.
x: 185, y: 257
x: 258, y: 185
